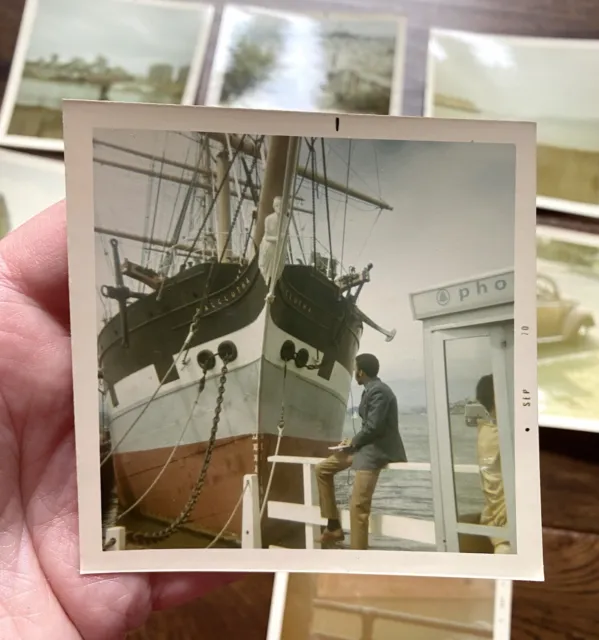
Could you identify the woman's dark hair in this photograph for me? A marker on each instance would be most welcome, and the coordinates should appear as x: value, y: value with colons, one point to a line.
x: 485, y: 392
x: 368, y: 363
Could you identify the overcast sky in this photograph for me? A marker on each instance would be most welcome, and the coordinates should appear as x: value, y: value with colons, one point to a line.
x: 133, y: 35
x: 29, y: 185
x: 452, y: 218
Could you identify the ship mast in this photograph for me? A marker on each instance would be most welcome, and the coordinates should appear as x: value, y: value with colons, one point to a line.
x: 224, y: 206
x: 272, y: 184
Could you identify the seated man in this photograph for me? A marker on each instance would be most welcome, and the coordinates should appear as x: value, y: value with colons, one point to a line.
x: 376, y: 445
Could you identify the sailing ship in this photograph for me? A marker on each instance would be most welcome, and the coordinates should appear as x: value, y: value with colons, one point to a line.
x: 212, y: 365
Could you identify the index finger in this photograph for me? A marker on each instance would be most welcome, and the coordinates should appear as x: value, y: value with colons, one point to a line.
x: 33, y: 261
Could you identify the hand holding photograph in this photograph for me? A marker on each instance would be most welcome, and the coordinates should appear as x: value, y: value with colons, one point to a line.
x: 550, y: 81
x: 266, y: 291
x: 155, y: 54
x: 567, y: 316
x: 317, y: 606
x: 349, y: 63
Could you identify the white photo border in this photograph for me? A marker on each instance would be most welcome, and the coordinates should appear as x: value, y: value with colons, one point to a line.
x: 585, y: 239
x: 28, y: 20
x: 502, y: 609
x: 216, y: 74
x: 558, y: 205
x: 81, y: 119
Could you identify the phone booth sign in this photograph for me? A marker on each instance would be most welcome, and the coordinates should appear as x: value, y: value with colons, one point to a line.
x: 468, y: 351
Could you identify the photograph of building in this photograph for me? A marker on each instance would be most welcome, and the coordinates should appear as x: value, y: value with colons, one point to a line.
x: 120, y: 50
x: 567, y: 318
x: 534, y: 80
x: 363, y: 607
x: 28, y: 185
x: 251, y: 272
x: 305, y: 62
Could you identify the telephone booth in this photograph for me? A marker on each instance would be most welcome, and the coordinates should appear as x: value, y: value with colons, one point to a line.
x: 468, y: 333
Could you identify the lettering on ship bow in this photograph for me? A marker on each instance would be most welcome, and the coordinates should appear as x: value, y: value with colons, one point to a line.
x: 223, y: 300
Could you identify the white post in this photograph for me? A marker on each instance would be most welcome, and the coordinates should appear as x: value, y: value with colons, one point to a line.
x: 119, y: 535
x: 310, y: 500
x: 251, y: 532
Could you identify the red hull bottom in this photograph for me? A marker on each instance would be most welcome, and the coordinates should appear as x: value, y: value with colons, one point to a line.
x: 232, y: 458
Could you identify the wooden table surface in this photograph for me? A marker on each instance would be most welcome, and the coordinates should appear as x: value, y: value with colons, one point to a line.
x: 566, y: 604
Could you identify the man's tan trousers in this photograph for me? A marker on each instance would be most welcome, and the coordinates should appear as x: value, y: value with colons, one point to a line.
x: 361, y: 500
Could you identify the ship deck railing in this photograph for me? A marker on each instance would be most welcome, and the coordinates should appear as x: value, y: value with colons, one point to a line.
x: 394, y: 526
x: 398, y: 527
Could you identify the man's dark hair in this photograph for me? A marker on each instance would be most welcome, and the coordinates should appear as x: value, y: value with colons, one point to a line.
x: 485, y: 392
x: 368, y: 363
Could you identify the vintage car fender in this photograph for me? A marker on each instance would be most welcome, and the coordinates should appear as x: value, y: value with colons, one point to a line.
x: 576, y: 319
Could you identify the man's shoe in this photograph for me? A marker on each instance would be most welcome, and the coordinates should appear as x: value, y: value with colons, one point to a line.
x: 331, y: 538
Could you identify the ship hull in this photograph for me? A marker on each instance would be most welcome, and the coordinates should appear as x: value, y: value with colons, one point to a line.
x: 313, y: 421
x: 260, y: 392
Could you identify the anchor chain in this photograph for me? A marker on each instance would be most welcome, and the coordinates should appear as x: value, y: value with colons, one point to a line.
x: 183, y: 517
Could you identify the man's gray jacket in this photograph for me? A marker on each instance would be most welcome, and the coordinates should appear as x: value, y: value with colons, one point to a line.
x: 378, y: 442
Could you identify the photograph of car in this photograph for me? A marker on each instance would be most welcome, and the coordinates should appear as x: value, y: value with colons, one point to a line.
x: 559, y: 319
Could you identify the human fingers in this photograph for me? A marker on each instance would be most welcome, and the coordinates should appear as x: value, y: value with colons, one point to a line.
x: 33, y: 261
x: 174, y: 589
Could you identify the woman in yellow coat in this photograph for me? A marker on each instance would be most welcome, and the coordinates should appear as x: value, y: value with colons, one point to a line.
x: 494, y: 513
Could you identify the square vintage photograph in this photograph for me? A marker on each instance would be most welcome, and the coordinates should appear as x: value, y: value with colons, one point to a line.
x: 544, y: 80
x: 568, y: 313
x: 350, y: 607
x: 349, y: 63
x: 294, y: 350
x: 28, y: 186
x: 118, y: 50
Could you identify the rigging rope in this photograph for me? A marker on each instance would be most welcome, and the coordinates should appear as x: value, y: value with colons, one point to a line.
x: 172, y: 454
x: 236, y: 214
x: 326, y: 199
x: 346, y: 202
x: 221, y: 533
x: 192, y: 330
x: 183, y: 517
x: 280, y: 429
x: 213, y: 203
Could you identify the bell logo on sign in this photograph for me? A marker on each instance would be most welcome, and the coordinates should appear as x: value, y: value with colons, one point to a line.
x: 443, y: 297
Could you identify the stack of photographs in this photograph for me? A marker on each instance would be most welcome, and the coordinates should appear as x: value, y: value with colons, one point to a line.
x: 568, y: 314
x: 317, y: 606
x: 223, y: 318
x: 542, y: 80
x: 276, y: 234
x: 155, y: 54
x: 308, y: 62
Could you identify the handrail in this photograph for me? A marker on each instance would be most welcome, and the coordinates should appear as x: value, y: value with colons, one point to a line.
x: 394, y: 466
x: 479, y: 631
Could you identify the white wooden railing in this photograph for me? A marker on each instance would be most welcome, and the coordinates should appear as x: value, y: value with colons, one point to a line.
x: 393, y: 526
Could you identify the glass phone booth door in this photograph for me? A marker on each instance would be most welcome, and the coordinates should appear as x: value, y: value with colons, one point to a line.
x: 476, y: 450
